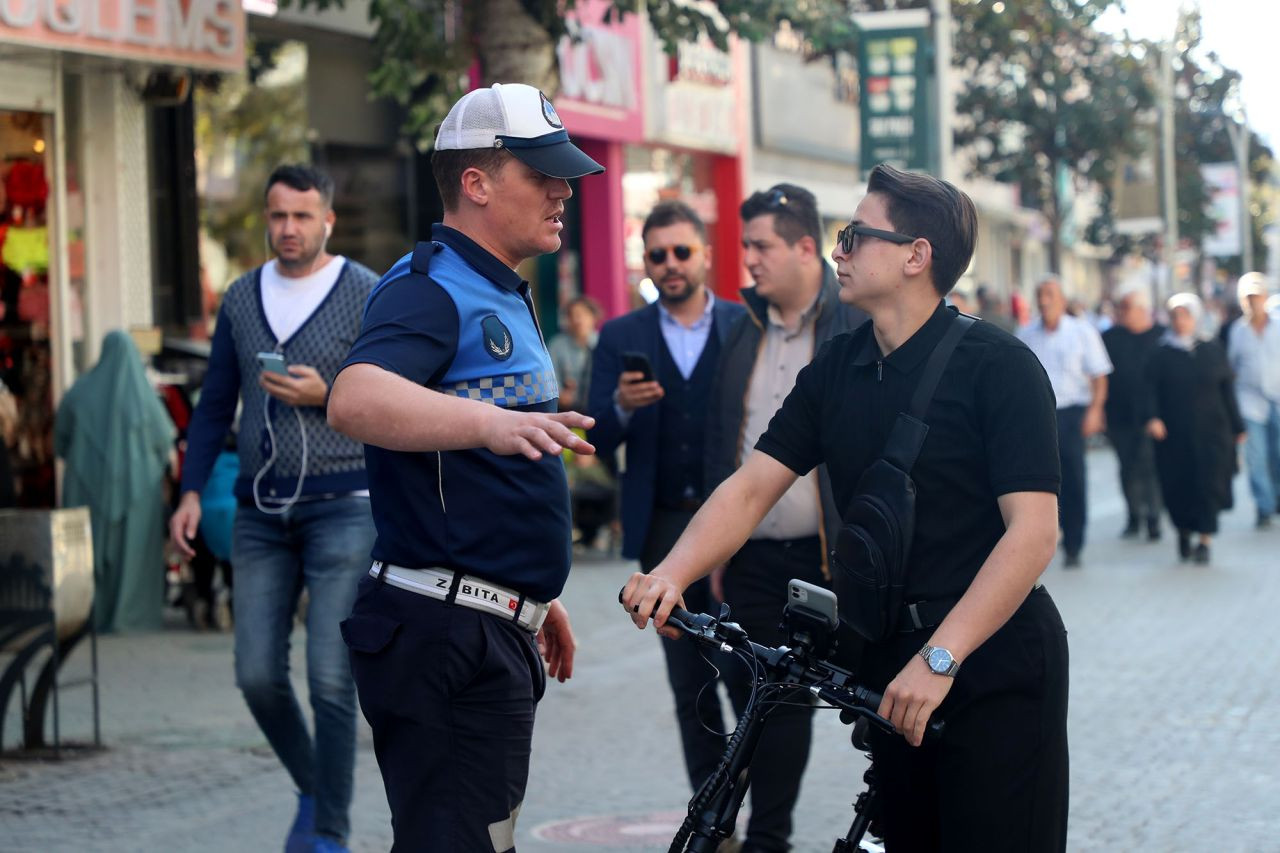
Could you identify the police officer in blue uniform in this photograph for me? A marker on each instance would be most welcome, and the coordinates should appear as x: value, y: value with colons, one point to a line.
x: 451, y: 388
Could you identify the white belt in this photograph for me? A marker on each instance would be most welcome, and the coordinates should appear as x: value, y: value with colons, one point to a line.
x: 471, y: 592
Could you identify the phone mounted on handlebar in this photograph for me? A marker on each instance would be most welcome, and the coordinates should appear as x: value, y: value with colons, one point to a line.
x: 782, y: 676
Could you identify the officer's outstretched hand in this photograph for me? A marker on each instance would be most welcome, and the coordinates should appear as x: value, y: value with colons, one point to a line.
x: 535, y: 433
x: 556, y: 642
x: 912, y: 697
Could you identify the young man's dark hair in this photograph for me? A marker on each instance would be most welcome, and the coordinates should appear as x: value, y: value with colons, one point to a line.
x: 670, y: 212
x: 301, y: 177
x: 447, y: 168
x: 794, y: 209
x: 923, y: 206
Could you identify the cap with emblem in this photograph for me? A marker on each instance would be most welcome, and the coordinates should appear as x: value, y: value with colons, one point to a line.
x: 521, y: 119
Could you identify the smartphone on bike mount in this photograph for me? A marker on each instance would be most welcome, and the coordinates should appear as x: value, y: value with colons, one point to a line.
x: 811, y: 617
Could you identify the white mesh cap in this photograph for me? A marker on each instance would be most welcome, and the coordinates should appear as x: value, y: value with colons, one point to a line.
x: 521, y: 119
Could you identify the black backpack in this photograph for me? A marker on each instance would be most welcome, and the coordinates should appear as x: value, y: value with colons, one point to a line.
x: 869, y: 560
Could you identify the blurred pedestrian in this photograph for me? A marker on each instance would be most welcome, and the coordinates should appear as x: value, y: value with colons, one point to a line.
x: 117, y: 438
x: 1130, y: 344
x: 452, y: 389
x: 1073, y: 355
x: 795, y: 308
x: 303, y: 521
x: 1193, y: 417
x: 994, y: 311
x: 650, y: 382
x: 1253, y: 347
x: 571, y: 352
x: 8, y: 437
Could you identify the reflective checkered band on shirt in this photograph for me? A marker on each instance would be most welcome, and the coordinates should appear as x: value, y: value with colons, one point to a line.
x: 517, y: 389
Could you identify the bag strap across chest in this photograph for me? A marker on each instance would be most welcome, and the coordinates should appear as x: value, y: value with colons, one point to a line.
x: 909, y: 430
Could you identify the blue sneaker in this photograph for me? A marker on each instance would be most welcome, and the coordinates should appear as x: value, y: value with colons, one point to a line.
x: 328, y: 844
x: 303, y: 832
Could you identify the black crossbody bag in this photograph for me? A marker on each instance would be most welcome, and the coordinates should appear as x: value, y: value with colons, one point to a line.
x: 869, y: 560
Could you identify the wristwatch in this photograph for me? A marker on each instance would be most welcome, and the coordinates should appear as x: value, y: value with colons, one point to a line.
x: 940, y: 661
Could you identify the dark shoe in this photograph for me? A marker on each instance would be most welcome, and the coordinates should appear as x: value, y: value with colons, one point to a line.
x: 325, y: 844
x: 1153, y: 530
x: 1131, y: 529
x: 1072, y: 560
x: 1264, y: 522
x: 302, y: 835
x: 1184, y: 545
x: 1201, y: 555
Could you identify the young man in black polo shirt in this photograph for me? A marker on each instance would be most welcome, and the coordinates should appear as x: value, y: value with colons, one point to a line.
x: 986, y: 527
x: 451, y: 388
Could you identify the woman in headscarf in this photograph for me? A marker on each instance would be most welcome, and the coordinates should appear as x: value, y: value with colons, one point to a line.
x: 1196, y: 424
x: 116, y: 438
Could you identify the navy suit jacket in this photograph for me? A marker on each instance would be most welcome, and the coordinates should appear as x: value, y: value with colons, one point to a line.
x: 637, y: 331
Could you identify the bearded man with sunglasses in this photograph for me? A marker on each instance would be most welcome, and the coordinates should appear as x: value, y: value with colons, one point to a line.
x: 977, y: 639
x: 661, y: 420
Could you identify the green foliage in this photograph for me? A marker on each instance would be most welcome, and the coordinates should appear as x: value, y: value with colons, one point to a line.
x: 1044, y: 90
x: 427, y: 47
x: 246, y: 125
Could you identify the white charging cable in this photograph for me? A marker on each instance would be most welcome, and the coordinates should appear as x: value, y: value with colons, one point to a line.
x: 302, y: 474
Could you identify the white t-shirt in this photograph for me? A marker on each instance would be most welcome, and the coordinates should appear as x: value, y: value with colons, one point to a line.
x: 1072, y: 355
x: 289, y: 302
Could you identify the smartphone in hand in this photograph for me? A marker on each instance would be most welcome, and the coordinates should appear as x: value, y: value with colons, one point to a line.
x: 638, y: 362
x: 273, y: 362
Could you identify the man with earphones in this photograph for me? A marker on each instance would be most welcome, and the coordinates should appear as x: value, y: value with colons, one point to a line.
x: 304, y: 519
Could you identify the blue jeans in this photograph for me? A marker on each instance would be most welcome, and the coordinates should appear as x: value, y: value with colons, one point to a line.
x: 322, y: 545
x: 1262, y: 458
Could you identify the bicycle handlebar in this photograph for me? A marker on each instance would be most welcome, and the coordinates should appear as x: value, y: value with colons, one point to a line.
x: 828, y: 682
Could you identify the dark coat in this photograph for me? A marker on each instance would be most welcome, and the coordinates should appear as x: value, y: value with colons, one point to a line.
x: 1192, y: 393
x: 726, y: 416
x: 637, y: 331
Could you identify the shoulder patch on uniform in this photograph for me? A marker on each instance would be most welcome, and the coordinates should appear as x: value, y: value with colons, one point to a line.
x: 497, y: 337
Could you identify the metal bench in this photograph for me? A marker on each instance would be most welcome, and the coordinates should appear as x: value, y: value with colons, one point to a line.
x: 46, y: 609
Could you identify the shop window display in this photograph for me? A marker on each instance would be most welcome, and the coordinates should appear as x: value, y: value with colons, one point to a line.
x: 25, y: 306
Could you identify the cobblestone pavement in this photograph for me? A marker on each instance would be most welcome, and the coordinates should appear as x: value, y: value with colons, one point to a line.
x: 1174, y: 733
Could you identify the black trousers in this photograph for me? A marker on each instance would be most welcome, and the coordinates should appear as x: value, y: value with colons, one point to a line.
x: 1072, y: 509
x: 755, y: 587
x: 1138, y: 479
x: 997, y: 779
x: 690, y: 669
x: 450, y: 694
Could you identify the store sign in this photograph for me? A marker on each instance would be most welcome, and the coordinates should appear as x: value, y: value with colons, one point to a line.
x: 1222, y: 180
x: 600, y: 79
x: 894, y: 79
x: 700, y: 99
x: 207, y: 34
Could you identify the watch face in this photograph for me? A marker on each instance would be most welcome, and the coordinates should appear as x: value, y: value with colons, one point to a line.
x: 940, y: 660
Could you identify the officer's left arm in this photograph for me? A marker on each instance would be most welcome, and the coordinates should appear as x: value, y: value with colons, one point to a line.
x: 999, y: 588
x: 556, y: 642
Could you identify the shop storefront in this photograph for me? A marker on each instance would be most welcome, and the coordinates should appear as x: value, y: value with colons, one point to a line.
x: 75, y: 193
x: 663, y: 128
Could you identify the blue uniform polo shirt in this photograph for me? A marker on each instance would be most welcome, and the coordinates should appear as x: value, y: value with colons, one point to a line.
x: 452, y: 317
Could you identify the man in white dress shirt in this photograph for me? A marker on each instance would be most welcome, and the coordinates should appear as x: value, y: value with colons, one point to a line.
x: 1076, y: 360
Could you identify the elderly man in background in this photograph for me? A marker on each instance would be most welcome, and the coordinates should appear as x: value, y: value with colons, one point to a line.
x: 1073, y: 355
x: 1253, y: 348
x: 1130, y: 344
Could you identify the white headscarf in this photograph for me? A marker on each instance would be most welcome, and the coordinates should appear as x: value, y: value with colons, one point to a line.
x: 1195, y: 308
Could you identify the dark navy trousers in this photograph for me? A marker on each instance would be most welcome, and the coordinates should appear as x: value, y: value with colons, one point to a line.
x: 450, y: 694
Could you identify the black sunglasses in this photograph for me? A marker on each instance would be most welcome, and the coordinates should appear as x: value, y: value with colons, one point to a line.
x: 777, y: 198
x: 682, y: 253
x: 848, y: 236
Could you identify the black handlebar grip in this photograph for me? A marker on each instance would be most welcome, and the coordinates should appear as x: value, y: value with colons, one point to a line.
x: 678, y: 614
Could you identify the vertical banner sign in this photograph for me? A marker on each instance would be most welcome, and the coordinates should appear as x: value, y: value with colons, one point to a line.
x: 1222, y: 180
x: 894, y: 64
